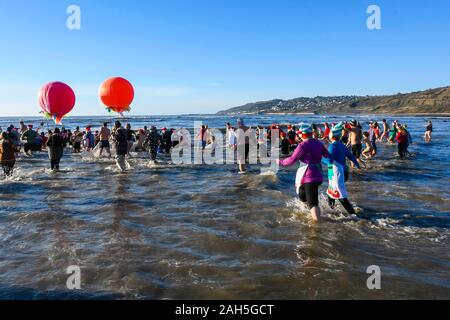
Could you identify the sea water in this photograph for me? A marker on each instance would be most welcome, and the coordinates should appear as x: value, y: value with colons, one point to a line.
x: 206, y: 232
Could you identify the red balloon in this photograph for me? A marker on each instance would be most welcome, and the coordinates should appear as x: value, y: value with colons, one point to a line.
x: 117, y: 94
x: 56, y: 100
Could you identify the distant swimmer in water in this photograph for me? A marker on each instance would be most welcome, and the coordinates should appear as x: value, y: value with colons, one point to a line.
x: 410, y: 140
x: 29, y: 136
x: 429, y: 131
x: 105, y: 133
x: 374, y: 132
x: 402, y: 140
x: 338, y: 170
x: 243, y: 145
x: 55, y: 147
x: 7, y: 154
x: 131, y: 136
x: 285, y: 145
x: 393, y: 132
x: 119, y: 135
x: 89, y: 139
x: 368, y: 151
x: 356, y: 137
x: 309, y: 176
x: 386, y: 129
x: 153, y: 142
x: 77, y: 138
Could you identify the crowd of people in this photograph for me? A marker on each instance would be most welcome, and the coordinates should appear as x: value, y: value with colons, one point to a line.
x: 332, y: 144
x: 26, y: 140
x: 311, y: 145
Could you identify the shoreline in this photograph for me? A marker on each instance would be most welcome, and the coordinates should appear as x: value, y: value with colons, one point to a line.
x: 443, y: 115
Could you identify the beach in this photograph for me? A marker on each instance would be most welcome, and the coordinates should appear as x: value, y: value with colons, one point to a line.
x: 206, y: 232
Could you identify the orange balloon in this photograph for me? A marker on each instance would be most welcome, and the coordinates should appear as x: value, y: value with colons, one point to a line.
x: 117, y: 94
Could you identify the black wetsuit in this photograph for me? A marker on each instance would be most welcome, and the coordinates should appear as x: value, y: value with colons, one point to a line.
x: 153, y: 140
x: 167, y: 141
x: 55, y: 146
x: 121, y: 142
x: 285, y: 147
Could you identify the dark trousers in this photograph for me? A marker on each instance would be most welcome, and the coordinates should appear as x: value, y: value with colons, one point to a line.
x: 30, y: 147
x: 8, y: 168
x: 54, y: 164
x: 402, y: 149
x: 309, y: 194
x: 345, y: 202
x: 153, y: 152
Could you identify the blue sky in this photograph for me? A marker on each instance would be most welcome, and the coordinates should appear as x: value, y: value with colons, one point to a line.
x: 203, y: 56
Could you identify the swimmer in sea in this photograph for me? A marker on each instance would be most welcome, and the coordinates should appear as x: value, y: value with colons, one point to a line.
x: 393, y: 132
x: 119, y: 135
x: 131, y: 137
x: 309, y: 176
x: 402, y: 140
x: 339, y: 153
x: 410, y: 140
x: 153, y: 142
x: 243, y: 145
x: 374, y: 137
x: 355, y: 137
x: 55, y: 147
x: 105, y: 133
x: 89, y: 139
x: 429, y: 131
x: 368, y: 151
x: 7, y: 154
x: 29, y: 136
x: 386, y: 130
x: 285, y: 145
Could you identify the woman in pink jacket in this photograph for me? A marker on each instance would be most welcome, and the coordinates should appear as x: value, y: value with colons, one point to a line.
x: 309, y: 176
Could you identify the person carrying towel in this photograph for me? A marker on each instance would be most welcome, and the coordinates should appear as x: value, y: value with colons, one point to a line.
x: 309, y: 176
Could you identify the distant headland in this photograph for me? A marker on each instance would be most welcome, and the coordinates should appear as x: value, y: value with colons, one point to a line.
x: 429, y: 102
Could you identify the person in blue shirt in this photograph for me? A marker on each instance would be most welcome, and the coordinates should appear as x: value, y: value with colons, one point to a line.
x: 339, y: 153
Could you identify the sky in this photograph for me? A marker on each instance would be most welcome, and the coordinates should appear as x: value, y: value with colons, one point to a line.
x: 202, y: 56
